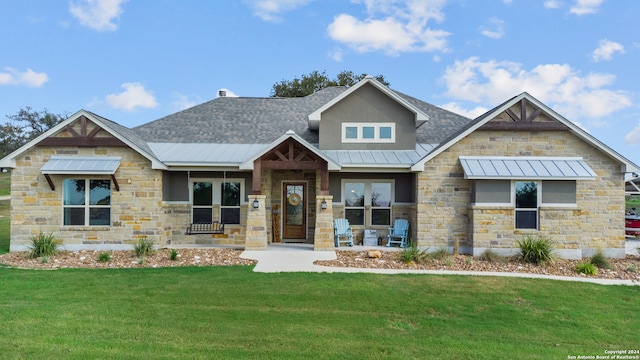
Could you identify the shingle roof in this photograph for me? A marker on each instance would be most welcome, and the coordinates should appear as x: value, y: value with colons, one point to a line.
x: 241, y: 120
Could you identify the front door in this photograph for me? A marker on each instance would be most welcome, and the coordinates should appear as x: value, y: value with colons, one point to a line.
x: 294, y: 219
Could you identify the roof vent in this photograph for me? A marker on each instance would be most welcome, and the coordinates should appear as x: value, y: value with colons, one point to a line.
x: 222, y: 93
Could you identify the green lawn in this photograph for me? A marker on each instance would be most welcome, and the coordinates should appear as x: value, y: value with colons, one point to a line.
x: 5, y: 183
x: 4, y: 226
x: 231, y: 312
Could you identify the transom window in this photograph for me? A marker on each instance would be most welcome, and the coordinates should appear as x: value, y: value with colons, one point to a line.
x: 368, y: 132
x: 86, y: 202
x: 361, y: 195
x: 226, y: 197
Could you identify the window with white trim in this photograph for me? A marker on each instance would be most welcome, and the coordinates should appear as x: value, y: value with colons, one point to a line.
x: 368, y: 198
x: 86, y: 202
x: 368, y: 132
x: 227, y: 197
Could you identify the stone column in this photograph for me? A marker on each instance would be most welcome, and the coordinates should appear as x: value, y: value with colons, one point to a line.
x: 256, y: 234
x: 323, y: 239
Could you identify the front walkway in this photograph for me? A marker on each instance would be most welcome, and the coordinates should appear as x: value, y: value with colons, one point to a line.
x: 301, y: 258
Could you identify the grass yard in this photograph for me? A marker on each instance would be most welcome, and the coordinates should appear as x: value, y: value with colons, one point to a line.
x: 4, y: 226
x: 5, y: 183
x: 231, y: 312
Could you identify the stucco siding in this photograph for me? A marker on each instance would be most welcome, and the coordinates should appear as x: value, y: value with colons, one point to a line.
x: 367, y: 105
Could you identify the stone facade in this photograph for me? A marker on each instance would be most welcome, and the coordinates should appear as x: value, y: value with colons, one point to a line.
x: 135, y: 209
x: 446, y: 217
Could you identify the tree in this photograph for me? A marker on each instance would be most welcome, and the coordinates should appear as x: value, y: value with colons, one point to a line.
x: 316, y: 81
x: 26, y: 125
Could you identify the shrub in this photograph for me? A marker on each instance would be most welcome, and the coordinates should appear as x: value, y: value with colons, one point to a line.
x: 439, y: 254
x: 144, y: 247
x: 412, y: 254
x: 587, y: 268
x: 491, y: 256
x: 598, y: 259
x: 173, y: 255
x: 43, y: 245
x: 536, y: 250
x: 104, y: 257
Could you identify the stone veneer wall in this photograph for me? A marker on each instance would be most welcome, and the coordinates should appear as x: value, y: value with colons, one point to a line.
x: 446, y: 217
x: 135, y: 209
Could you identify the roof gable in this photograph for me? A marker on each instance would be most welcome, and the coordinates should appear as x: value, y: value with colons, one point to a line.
x: 249, y: 163
x: 532, y: 115
x: 86, y: 129
x: 314, y: 117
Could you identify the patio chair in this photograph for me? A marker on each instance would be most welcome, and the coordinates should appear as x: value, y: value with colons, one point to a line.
x: 342, y: 232
x: 398, y: 233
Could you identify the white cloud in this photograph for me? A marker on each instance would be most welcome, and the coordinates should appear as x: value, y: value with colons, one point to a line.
x: 227, y: 93
x: 99, y: 15
x: 633, y: 137
x: 458, y: 109
x: 270, y: 10
x: 558, y: 85
x: 182, y: 102
x: 336, y: 54
x: 493, y: 29
x: 28, y: 78
x: 584, y: 7
x: 133, y: 96
x: 392, y: 26
x: 552, y: 4
x: 605, y: 50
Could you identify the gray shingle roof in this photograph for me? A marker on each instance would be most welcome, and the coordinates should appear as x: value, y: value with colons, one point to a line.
x: 240, y: 120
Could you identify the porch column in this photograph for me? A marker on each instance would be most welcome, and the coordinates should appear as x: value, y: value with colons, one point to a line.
x: 256, y: 233
x: 323, y: 238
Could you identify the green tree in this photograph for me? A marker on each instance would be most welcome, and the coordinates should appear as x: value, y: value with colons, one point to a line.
x: 315, y: 81
x: 24, y: 126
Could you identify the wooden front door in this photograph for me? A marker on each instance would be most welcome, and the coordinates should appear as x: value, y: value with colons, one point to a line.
x: 294, y: 214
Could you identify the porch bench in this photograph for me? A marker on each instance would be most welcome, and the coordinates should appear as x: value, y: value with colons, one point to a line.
x: 206, y: 228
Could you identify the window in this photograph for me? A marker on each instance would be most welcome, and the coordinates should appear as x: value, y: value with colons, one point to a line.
x: 526, y: 204
x: 228, y: 197
x: 362, y: 194
x: 526, y: 196
x: 86, y: 202
x: 368, y: 132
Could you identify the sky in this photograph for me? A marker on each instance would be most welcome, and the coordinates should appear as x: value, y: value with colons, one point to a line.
x: 134, y: 61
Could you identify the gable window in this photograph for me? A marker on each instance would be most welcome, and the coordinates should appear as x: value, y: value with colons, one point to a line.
x: 86, y: 202
x: 368, y: 132
x: 368, y: 200
x: 226, y: 197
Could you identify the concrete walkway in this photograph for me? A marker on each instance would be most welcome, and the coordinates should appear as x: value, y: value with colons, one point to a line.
x: 300, y: 258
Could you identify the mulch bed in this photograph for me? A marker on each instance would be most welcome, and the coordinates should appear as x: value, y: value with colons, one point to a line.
x: 627, y: 268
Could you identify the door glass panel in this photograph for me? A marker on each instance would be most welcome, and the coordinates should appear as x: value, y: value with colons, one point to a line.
x: 294, y: 204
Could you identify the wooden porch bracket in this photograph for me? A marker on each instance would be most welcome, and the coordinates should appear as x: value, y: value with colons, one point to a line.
x: 115, y: 182
x: 53, y: 187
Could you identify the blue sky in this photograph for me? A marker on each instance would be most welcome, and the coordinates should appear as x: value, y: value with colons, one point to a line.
x: 138, y: 60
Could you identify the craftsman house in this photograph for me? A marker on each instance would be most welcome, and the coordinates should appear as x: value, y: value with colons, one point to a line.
x: 268, y: 170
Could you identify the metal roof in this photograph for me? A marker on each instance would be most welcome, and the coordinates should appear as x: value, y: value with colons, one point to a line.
x: 529, y: 168
x: 387, y: 158
x: 198, y: 154
x: 204, y: 154
x: 94, y: 165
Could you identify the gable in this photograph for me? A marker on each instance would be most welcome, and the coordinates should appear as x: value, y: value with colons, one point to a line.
x: 83, y: 133
x: 390, y: 123
x: 524, y: 115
